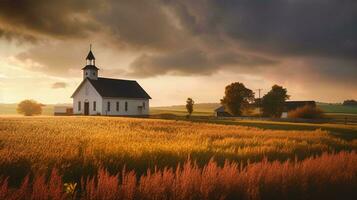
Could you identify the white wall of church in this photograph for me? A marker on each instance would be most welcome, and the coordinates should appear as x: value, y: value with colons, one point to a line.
x: 135, y: 106
x: 87, y: 93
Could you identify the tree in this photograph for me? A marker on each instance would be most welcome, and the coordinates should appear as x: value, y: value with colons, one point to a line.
x: 237, y: 98
x: 350, y: 102
x: 189, y: 105
x: 29, y: 108
x: 273, y: 102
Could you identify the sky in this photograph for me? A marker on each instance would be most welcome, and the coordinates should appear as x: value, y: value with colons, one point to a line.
x: 180, y: 48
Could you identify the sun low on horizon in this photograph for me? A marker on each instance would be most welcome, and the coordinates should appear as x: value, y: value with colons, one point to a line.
x: 179, y: 49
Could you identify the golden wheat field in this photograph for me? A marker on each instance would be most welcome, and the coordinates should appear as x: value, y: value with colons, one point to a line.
x: 102, y: 156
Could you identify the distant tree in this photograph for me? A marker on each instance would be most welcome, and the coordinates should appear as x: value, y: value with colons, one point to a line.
x: 350, y: 102
x: 189, y: 106
x: 237, y: 98
x: 273, y: 102
x: 29, y: 108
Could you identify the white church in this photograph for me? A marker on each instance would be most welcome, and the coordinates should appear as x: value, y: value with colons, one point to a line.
x: 104, y: 96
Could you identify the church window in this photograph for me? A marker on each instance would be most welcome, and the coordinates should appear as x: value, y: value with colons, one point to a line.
x: 94, y: 106
x: 126, y: 106
x: 117, y: 105
x: 108, y: 106
x: 79, y: 106
x: 144, y: 105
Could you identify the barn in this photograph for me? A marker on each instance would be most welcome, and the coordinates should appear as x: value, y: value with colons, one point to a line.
x: 106, y: 96
x: 220, y: 112
x: 293, y: 105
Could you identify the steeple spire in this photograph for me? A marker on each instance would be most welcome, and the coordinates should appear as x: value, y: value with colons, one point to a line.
x: 90, y: 56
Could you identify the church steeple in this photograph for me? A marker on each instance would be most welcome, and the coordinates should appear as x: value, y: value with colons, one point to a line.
x: 90, y: 70
x: 90, y: 57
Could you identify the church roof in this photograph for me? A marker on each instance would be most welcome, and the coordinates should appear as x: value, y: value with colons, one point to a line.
x: 90, y: 67
x: 90, y: 56
x: 117, y: 88
x: 107, y: 87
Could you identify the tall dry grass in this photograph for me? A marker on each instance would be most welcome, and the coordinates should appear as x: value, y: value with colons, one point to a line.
x: 330, y: 176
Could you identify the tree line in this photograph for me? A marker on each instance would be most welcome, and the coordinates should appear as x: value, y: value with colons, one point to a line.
x: 239, y: 99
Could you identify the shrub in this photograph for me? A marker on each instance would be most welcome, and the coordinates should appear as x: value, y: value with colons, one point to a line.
x: 329, y: 176
x: 29, y: 108
x: 306, y: 112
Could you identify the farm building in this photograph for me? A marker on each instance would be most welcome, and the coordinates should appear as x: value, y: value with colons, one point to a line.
x: 220, y: 112
x: 63, y: 110
x: 293, y: 105
x: 104, y: 96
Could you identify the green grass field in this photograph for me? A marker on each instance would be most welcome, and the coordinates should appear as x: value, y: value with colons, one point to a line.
x: 202, y: 109
x: 337, y: 108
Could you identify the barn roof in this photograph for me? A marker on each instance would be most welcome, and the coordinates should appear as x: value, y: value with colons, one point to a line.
x: 220, y: 109
x: 292, y: 105
x: 117, y: 88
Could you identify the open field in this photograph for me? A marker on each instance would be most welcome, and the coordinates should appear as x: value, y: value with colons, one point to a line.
x: 79, y: 147
x: 344, y: 131
x: 200, y: 109
x: 337, y: 108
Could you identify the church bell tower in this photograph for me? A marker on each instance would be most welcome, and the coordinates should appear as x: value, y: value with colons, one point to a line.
x: 90, y: 70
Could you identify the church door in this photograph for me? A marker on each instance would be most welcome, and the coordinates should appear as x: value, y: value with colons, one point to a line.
x: 86, y: 108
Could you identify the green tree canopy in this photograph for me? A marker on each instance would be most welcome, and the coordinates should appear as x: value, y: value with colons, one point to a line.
x: 237, y: 98
x: 29, y: 108
x: 273, y: 102
x: 189, y: 105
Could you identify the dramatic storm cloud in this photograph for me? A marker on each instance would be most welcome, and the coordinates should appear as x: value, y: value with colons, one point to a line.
x: 312, y: 44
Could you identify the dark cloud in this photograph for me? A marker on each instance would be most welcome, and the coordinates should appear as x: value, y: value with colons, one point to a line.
x: 184, y: 37
x: 59, y: 85
x: 186, y: 62
x: 194, y: 62
x: 142, y: 24
x: 303, y: 27
x: 36, y: 18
